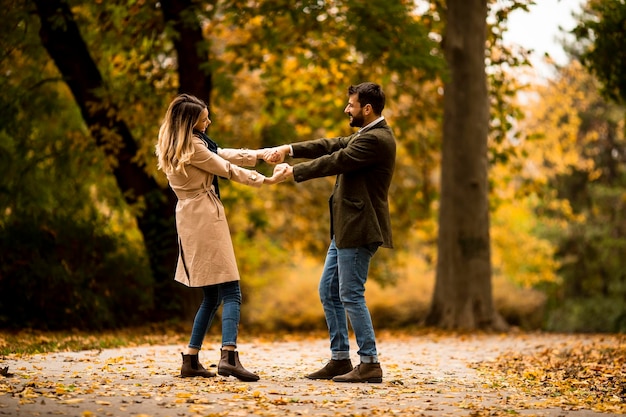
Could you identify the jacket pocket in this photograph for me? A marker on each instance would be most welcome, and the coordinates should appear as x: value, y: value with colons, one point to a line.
x: 357, y: 204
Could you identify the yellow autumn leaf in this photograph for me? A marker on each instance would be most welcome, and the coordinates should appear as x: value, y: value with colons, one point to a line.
x: 72, y: 401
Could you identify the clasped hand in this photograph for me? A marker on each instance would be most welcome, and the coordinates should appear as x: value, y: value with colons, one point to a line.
x: 280, y: 174
x: 276, y: 155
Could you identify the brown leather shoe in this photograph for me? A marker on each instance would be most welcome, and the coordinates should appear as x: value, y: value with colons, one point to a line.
x: 192, y: 367
x: 332, y: 369
x: 363, y: 372
x: 229, y: 365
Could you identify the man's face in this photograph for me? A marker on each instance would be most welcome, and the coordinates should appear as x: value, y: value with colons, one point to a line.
x: 354, y: 111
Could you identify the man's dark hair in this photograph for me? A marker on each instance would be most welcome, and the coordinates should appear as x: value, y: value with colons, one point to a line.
x: 369, y: 93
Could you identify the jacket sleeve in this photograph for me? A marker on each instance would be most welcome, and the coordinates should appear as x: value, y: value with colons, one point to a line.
x: 315, y: 148
x: 350, y: 154
x: 215, y: 164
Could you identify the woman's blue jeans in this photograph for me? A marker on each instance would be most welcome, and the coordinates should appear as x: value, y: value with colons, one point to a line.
x: 214, y: 295
x: 342, y: 290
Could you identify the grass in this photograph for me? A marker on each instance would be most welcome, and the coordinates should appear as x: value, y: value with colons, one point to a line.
x: 30, y: 341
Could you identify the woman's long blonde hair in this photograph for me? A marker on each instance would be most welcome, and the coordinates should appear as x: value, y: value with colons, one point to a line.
x: 174, y: 147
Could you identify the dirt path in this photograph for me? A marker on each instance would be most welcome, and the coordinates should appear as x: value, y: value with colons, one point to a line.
x: 423, y: 375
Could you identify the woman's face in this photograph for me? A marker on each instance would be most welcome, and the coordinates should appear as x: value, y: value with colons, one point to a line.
x: 203, y: 121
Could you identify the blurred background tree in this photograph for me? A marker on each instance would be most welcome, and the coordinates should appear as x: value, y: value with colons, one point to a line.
x: 588, y: 180
x: 578, y: 160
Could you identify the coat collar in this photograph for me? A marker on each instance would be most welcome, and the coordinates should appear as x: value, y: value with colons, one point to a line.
x: 370, y: 125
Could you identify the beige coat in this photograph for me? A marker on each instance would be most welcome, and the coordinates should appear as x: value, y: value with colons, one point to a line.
x: 206, y: 254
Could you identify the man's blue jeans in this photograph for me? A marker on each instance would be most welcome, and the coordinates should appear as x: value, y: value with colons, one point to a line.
x: 342, y: 290
x: 230, y: 294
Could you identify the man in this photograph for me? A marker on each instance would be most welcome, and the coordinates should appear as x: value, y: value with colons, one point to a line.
x: 359, y: 224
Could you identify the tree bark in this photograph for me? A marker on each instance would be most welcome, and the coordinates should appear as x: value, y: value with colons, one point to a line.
x: 61, y: 37
x: 462, y: 297
x: 192, y: 48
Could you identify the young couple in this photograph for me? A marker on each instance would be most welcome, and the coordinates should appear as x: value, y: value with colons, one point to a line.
x: 363, y: 163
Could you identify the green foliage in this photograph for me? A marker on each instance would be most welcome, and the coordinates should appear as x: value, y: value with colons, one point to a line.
x: 49, y: 164
x: 389, y: 32
x: 582, y: 209
x: 70, y: 253
x: 60, y: 273
x: 593, y: 294
x: 589, y: 315
x: 602, y: 32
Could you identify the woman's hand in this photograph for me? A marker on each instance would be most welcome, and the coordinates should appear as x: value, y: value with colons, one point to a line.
x: 281, y: 173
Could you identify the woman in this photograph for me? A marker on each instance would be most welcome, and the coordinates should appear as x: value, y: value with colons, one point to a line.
x: 192, y: 163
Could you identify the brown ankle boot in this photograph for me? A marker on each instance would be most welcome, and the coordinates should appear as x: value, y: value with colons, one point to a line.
x: 230, y: 365
x: 192, y: 367
x: 363, y: 372
x: 332, y: 369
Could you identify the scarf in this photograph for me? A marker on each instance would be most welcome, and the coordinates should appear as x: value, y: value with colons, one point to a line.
x: 213, y: 148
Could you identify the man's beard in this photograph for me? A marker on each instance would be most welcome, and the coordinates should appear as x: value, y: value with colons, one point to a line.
x: 358, y: 120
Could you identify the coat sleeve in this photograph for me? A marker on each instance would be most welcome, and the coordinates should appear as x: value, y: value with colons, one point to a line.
x: 215, y: 164
x: 241, y: 157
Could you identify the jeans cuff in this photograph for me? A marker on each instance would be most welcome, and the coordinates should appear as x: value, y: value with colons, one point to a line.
x: 369, y: 359
x: 340, y: 356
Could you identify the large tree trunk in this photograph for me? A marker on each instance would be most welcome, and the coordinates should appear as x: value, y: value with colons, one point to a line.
x: 192, y: 49
x: 463, y: 296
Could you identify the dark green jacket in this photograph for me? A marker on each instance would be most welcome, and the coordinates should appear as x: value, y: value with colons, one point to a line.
x: 364, y: 164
